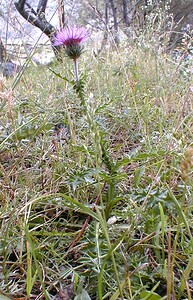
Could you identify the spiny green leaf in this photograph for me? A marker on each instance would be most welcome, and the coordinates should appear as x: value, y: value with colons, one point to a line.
x: 83, y: 296
x: 148, y: 295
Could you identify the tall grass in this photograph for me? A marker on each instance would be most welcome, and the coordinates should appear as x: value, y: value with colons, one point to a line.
x: 109, y: 170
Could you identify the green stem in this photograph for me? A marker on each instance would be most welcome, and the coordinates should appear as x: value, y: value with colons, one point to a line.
x: 76, y: 70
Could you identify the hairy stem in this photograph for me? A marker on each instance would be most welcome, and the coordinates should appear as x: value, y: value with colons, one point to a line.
x: 76, y: 70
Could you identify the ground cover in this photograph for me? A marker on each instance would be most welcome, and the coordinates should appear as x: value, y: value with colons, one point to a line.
x: 96, y: 195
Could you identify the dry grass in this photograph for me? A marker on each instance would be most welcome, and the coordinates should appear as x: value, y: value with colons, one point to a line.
x: 124, y: 149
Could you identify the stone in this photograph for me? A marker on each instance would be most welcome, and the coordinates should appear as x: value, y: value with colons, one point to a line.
x: 9, y: 69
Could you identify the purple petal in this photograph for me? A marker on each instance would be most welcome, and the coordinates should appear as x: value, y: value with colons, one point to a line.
x: 71, y: 36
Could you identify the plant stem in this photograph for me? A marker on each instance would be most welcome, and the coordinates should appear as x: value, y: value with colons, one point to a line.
x: 76, y: 70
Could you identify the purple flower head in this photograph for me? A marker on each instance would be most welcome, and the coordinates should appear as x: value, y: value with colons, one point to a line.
x: 72, y: 38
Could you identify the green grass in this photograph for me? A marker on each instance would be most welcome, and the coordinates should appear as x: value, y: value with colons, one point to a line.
x: 120, y: 157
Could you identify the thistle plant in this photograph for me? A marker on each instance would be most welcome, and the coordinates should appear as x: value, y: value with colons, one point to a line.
x: 72, y: 39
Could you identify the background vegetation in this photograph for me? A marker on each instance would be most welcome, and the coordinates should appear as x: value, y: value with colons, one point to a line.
x: 96, y: 195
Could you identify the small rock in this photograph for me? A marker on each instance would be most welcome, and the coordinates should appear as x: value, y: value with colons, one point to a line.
x: 9, y: 69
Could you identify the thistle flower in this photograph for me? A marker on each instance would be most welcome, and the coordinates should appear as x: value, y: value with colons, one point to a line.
x: 72, y: 38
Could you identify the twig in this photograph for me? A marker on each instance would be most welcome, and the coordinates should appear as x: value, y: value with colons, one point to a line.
x: 32, y: 18
x: 31, y: 9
